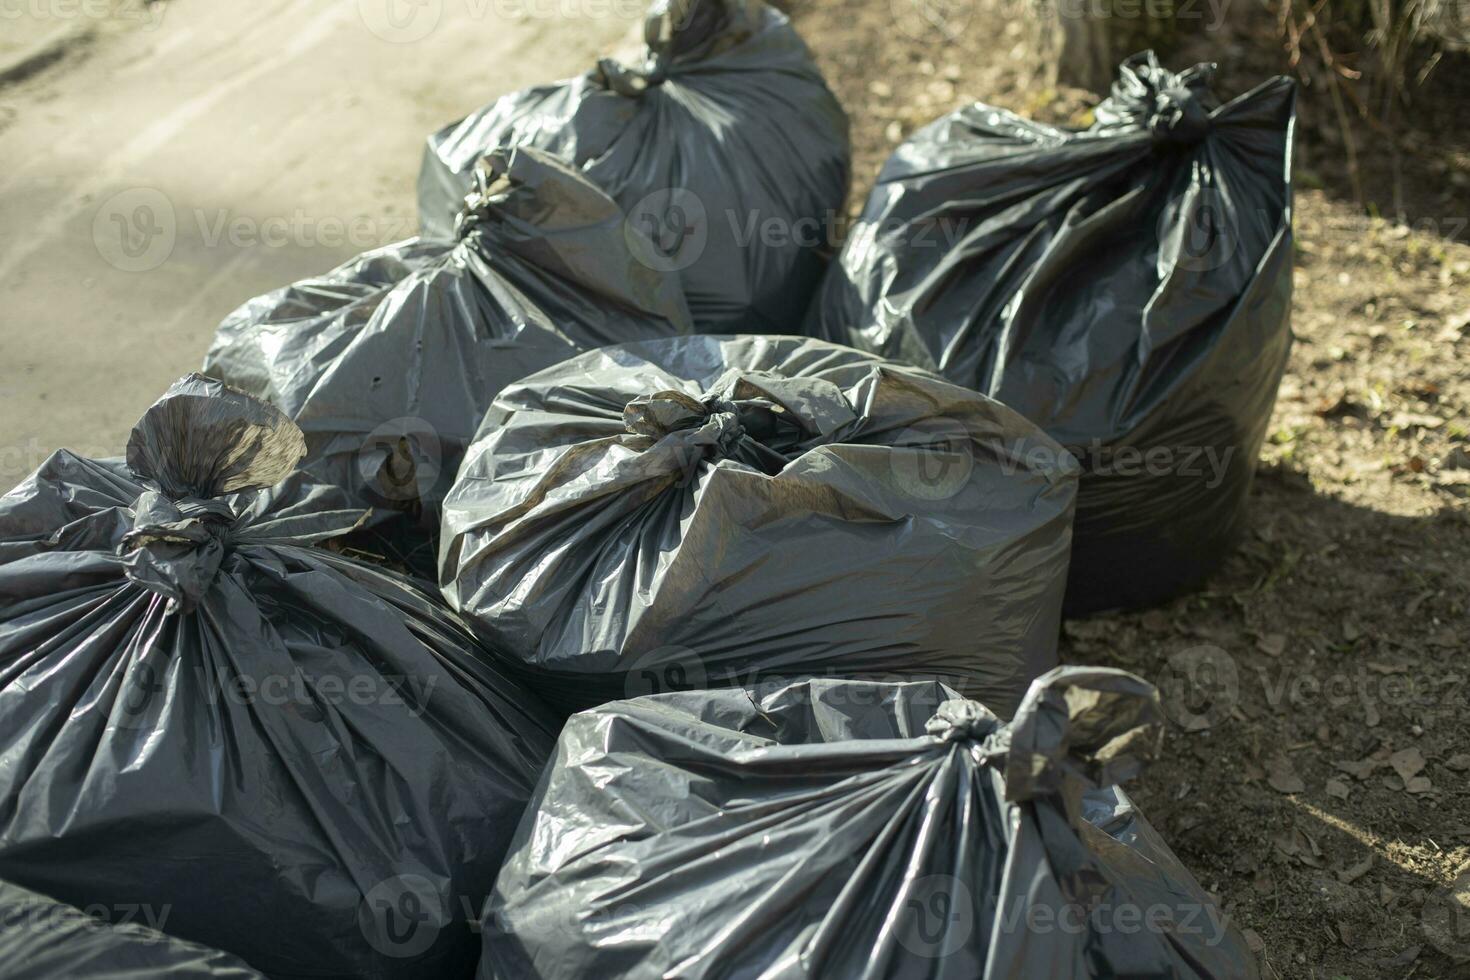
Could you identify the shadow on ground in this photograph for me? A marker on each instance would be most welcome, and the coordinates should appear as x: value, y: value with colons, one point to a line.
x: 1315, y: 770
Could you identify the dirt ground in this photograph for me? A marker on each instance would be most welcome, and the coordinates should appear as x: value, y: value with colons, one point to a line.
x: 1317, y: 774
x: 176, y: 158
x: 1316, y: 779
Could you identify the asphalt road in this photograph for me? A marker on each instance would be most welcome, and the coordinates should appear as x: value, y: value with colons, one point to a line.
x: 181, y: 157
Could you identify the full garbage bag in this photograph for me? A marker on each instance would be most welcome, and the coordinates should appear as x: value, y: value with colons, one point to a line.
x: 42, y: 939
x: 388, y: 363
x: 305, y: 758
x: 706, y: 510
x: 1127, y: 287
x: 851, y: 829
x: 724, y: 143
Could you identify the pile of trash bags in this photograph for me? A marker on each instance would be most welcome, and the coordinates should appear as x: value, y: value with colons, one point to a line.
x: 1126, y: 287
x: 199, y: 710
x: 832, y: 828
x: 388, y: 363
x: 795, y: 599
x: 707, y: 511
x: 723, y: 143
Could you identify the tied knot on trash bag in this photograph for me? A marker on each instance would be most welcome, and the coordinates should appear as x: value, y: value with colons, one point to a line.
x: 1174, y: 108
x: 489, y: 182
x: 663, y: 413
x: 175, y: 547
x: 661, y: 27
x: 631, y: 82
x: 962, y: 720
x: 527, y: 209
x: 1179, y: 117
x: 756, y: 431
x: 675, y: 31
x: 1078, y: 726
x: 201, y: 441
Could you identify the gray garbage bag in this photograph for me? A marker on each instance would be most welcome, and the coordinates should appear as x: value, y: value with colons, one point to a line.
x: 855, y: 830
x: 306, y: 759
x: 725, y: 145
x: 705, y: 511
x: 389, y: 362
x: 42, y: 939
x: 1127, y: 287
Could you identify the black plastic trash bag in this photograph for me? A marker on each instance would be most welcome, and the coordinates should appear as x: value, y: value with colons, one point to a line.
x: 850, y: 829
x: 725, y: 145
x: 705, y: 511
x: 306, y: 759
x: 389, y: 362
x: 42, y: 939
x: 1127, y: 287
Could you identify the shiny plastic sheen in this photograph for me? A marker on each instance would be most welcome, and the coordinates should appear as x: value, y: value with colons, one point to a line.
x: 724, y: 144
x: 1126, y: 287
x: 201, y: 711
x: 388, y: 363
x: 709, y: 511
x: 864, y: 831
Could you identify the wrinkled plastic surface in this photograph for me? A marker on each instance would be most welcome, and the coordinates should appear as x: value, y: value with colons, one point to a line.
x: 715, y: 510
x: 851, y: 829
x: 42, y: 939
x: 1126, y: 287
x: 725, y: 145
x: 388, y: 363
x: 200, y: 711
